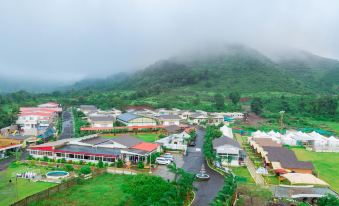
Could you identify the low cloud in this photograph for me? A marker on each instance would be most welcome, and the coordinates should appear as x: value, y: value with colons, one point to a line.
x: 66, y: 41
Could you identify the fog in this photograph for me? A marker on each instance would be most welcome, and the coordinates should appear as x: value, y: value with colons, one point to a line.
x: 64, y: 41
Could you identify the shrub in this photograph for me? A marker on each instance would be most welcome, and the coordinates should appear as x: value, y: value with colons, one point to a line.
x: 63, y: 160
x: 69, y: 167
x: 32, y: 163
x: 30, y: 157
x: 85, y: 170
x: 141, y: 165
x: 45, y: 159
x: 120, y: 163
x: 100, y: 164
x: 81, y: 162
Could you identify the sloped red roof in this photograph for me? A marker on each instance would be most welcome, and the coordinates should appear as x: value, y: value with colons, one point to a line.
x: 146, y: 146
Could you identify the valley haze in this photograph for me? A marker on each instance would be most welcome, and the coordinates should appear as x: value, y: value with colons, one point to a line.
x: 62, y: 42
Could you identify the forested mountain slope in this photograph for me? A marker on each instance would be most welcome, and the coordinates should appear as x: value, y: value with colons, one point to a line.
x: 234, y: 68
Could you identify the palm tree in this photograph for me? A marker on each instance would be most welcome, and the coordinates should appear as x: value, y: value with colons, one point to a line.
x: 173, y: 168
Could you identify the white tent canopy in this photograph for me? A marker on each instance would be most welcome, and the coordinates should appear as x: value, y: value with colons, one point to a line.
x: 226, y: 131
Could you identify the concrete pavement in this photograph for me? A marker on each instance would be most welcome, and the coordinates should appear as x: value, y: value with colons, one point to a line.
x: 67, y: 125
x: 207, y: 190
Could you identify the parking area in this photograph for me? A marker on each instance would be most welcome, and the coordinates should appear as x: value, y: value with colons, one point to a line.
x: 163, y: 171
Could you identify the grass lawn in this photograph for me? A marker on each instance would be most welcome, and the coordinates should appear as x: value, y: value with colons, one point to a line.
x: 146, y: 137
x: 24, y: 188
x: 242, y: 172
x: 326, y: 165
x: 103, y: 190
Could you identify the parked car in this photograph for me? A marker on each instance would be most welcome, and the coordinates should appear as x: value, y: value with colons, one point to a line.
x: 168, y: 156
x: 162, y: 161
x: 192, y: 144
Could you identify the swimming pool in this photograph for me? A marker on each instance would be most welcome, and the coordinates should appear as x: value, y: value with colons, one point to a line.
x: 57, y: 174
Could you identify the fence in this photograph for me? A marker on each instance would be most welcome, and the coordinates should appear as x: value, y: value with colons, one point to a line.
x: 45, y: 193
x: 52, y: 190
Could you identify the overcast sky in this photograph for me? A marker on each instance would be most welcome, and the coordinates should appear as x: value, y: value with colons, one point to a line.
x: 67, y: 40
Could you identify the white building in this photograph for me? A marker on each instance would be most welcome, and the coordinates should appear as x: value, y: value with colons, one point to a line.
x: 169, y: 119
x: 229, y: 151
x: 175, y: 141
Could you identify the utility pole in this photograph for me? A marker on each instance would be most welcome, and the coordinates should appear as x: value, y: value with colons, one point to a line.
x: 281, y: 120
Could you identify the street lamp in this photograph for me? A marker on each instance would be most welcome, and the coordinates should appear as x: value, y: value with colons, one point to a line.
x: 150, y: 163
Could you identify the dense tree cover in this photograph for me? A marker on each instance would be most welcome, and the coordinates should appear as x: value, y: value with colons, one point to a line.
x: 79, y: 121
x: 256, y: 106
x: 235, y: 97
x: 219, y: 101
x: 155, y: 191
x: 212, y: 132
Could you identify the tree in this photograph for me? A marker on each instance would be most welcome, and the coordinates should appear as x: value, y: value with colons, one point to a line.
x: 219, y: 101
x: 328, y: 200
x: 256, y: 106
x: 101, y: 164
x: 235, y: 97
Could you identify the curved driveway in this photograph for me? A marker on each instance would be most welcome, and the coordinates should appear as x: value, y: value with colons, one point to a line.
x: 192, y: 163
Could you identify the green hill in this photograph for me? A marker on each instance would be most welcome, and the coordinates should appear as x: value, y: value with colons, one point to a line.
x: 231, y: 68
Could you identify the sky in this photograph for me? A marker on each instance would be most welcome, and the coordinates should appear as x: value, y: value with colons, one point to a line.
x: 68, y: 40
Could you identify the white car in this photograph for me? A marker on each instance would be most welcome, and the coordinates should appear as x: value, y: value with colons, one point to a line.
x: 162, y: 161
x: 168, y: 156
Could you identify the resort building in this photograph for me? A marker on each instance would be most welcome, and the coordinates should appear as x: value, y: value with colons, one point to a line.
x: 130, y: 119
x: 35, y: 120
x: 169, y: 119
x: 229, y: 151
x: 175, y: 141
x: 87, y: 109
x: 101, y: 121
x: 8, y: 145
x: 94, y: 148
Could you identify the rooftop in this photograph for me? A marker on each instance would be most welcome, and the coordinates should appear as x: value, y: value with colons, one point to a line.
x: 103, y: 118
x: 225, y: 141
x: 169, y: 116
x: 126, y: 117
x: 89, y: 150
x: 266, y: 142
x: 286, y: 157
x: 146, y: 146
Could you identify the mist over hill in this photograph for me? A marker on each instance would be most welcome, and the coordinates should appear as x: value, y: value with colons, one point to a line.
x: 232, y: 67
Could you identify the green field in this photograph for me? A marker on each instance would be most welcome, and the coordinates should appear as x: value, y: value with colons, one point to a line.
x: 243, y: 172
x: 327, y: 125
x: 146, y: 137
x: 103, y: 190
x: 13, y: 191
x: 326, y: 165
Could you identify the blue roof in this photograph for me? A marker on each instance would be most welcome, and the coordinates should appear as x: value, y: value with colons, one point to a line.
x: 126, y: 117
x: 48, y: 133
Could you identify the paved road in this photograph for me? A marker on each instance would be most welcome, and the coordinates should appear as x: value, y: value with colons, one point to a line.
x: 67, y: 125
x: 207, y: 190
x: 5, y: 163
